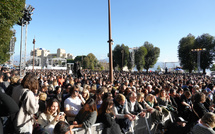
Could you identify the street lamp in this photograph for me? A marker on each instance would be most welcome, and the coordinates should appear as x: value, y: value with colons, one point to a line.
x: 110, y: 41
x: 198, y: 50
x: 34, y: 41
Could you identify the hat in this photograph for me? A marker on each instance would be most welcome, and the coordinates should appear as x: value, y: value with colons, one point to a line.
x: 180, y: 119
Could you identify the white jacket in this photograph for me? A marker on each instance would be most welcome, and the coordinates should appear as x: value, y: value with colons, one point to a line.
x: 24, y: 120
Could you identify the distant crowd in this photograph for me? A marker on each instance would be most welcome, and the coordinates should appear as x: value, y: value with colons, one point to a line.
x: 56, y: 101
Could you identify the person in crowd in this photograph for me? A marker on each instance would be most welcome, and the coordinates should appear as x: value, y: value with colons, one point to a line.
x: 51, y: 116
x: 87, y: 116
x: 107, y: 117
x: 86, y: 94
x: 178, y: 127
x: 62, y: 128
x: 58, y: 93
x: 123, y: 116
x: 24, y: 119
x: 8, y: 107
x: 198, y: 108
x: 156, y: 115
x: 73, y: 104
x: 98, y: 96
x: 14, y: 82
x: 206, y: 124
x: 133, y: 106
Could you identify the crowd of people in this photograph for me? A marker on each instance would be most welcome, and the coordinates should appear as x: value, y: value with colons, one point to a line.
x: 55, y: 101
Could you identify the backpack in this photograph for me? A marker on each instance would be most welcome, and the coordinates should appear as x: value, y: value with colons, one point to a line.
x: 8, y: 126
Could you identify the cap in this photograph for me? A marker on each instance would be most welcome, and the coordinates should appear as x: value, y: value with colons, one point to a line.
x: 180, y: 119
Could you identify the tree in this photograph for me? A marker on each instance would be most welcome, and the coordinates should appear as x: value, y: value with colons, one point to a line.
x: 79, y: 59
x: 213, y: 67
x: 186, y: 57
x: 140, y: 58
x: 205, y: 41
x: 120, y: 56
x: 90, y: 62
x: 158, y: 68
x: 10, y: 13
x: 151, y: 56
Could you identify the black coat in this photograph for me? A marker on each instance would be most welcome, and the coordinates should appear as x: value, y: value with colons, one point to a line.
x: 200, y: 110
x: 110, y: 125
x: 137, y: 107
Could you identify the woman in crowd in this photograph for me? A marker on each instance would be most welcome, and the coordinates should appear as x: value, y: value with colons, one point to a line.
x: 58, y: 93
x: 51, y: 116
x: 29, y: 106
x: 107, y: 117
x: 87, y: 116
x: 152, y: 102
x: 85, y: 94
x: 198, y: 108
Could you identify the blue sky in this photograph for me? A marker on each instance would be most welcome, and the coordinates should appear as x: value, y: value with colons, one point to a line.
x: 81, y: 26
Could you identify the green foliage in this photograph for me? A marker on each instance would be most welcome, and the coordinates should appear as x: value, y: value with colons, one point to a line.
x: 120, y: 56
x: 213, y: 67
x: 10, y: 12
x: 140, y: 54
x: 90, y: 62
x: 70, y: 61
x: 205, y: 41
x: 186, y: 57
x: 79, y: 59
x: 158, y: 68
x: 151, y: 56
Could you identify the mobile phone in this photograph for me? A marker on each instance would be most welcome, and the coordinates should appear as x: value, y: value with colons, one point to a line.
x: 61, y: 113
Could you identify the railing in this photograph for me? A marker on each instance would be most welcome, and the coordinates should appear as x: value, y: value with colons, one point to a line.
x: 143, y: 125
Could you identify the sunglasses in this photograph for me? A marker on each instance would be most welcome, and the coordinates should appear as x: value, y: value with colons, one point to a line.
x: 76, y: 91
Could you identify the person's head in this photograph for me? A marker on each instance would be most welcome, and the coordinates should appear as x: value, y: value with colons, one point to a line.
x: 53, y: 107
x: 120, y: 98
x: 31, y: 82
x: 208, y: 119
x: 149, y: 88
x: 62, y: 128
x: 107, y: 96
x: 15, y: 79
x: 199, y: 98
x: 44, y: 88
x: 58, y: 90
x: 90, y: 105
x: 162, y: 93
x: 85, y: 94
x: 187, y: 94
x: 140, y: 97
x: 172, y: 92
x: 106, y: 106
x: 149, y: 98
x: 132, y: 96
x: 74, y: 91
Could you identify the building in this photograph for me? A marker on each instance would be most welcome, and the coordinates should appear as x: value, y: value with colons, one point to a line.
x: 44, y: 58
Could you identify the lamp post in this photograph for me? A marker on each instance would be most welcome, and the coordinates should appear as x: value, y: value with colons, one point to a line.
x: 34, y: 41
x: 198, y: 56
x: 110, y: 41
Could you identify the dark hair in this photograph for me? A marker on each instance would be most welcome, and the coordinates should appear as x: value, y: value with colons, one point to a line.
x: 50, y: 103
x: 199, y: 97
x: 72, y: 89
x: 91, y: 102
x: 30, y: 81
x: 105, y: 107
x: 61, y: 127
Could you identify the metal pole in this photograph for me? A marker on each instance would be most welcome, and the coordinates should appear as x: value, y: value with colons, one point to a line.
x: 26, y: 31
x: 20, y: 62
x: 198, y: 60
x: 110, y: 45
x: 33, y: 55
